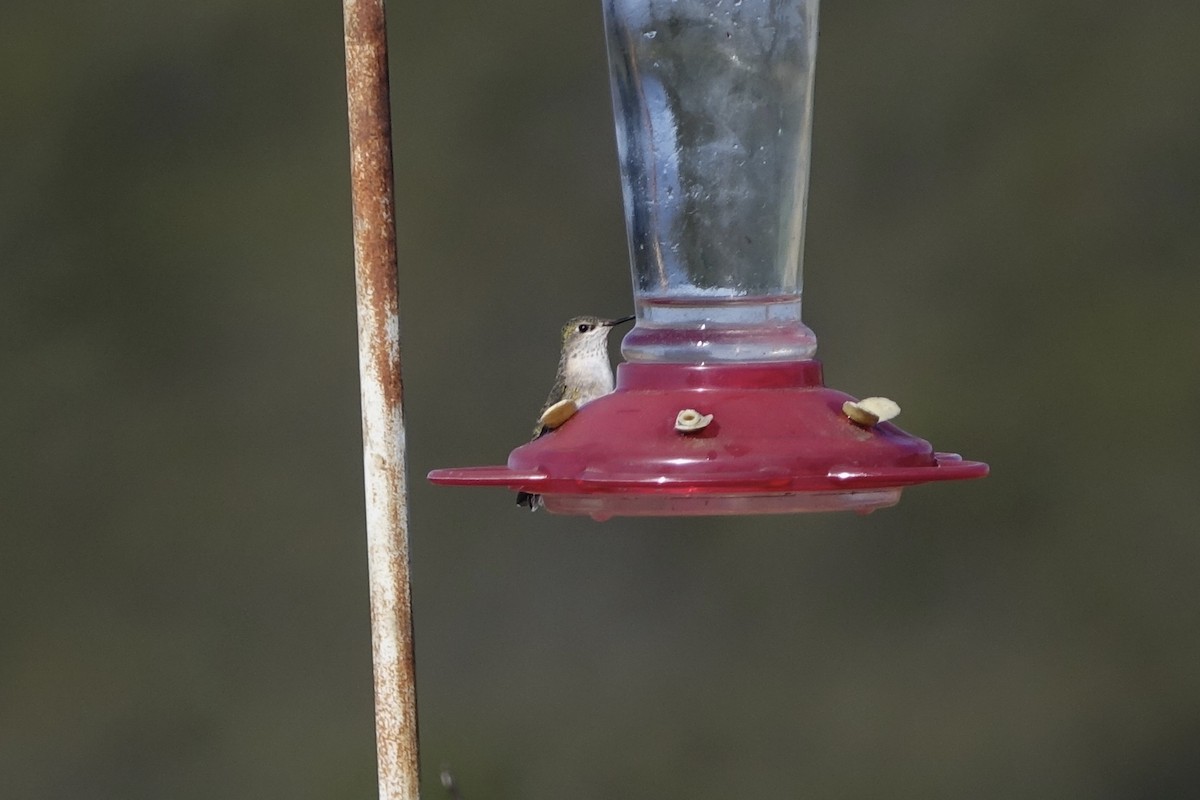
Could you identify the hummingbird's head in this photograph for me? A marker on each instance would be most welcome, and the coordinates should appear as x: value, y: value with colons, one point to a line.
x: 585, y: 332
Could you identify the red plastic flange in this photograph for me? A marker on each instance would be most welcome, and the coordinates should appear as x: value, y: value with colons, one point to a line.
x: 778, y: 442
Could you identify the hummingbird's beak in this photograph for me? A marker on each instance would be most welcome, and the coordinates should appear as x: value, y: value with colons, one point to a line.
x: 612, y: 323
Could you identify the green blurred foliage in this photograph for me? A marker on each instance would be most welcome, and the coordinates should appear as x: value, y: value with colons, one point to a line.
x: 1002, y: 235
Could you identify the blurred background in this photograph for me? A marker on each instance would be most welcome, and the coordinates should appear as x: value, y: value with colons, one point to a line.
x: 1002, y: 236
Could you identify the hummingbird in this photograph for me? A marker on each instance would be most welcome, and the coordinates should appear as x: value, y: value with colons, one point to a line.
x: 584, y: 373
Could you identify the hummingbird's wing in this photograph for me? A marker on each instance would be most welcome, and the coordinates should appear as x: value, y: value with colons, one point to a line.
x: 557, y: 392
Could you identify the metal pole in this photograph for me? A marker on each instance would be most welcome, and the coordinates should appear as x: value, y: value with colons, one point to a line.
x: 382, y: 395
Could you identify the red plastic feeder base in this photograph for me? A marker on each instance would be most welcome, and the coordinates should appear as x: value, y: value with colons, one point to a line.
x: 778, y: 443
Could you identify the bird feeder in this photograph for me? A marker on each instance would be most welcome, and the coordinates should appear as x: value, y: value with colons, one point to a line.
x: 720, y: 407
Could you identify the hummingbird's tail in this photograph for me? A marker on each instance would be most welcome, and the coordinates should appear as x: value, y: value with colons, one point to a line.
x: 531, y: 501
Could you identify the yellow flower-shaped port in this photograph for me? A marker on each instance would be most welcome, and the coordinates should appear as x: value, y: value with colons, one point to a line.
x: 558, y: 413
x: 870, y: 411
x: 690, y: 420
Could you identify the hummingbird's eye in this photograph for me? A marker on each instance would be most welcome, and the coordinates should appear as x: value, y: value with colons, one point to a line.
x: 584, y: 328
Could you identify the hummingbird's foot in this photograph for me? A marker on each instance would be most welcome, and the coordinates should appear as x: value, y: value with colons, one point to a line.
x: 531, y: 501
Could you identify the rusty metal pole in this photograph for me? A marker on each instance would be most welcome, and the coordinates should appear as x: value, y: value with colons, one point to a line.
x: 382, y: 395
